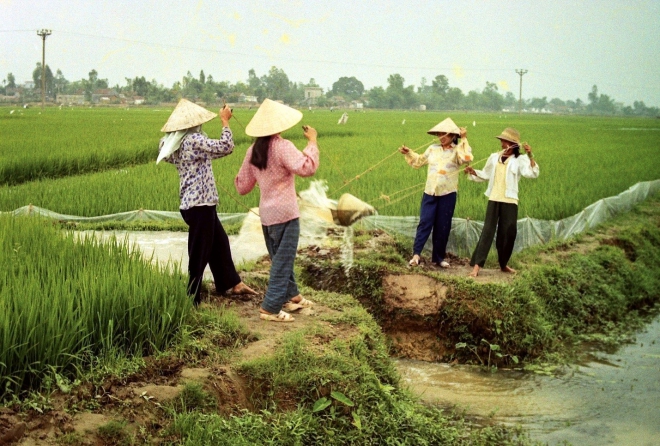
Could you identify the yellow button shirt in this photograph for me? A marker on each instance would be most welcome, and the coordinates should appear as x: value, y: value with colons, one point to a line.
x: 442, y: 176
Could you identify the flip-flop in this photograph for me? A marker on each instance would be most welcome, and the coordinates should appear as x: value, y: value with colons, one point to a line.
x: 283, y: 316
x: 414, y: 261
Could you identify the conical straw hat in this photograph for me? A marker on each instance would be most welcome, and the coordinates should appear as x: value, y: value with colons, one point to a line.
x: 272, y: 118
x: 186, y: 115
x: 446, y: 126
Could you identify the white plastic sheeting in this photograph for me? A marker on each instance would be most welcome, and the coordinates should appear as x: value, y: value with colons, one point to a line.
x: 316, y: 219
x: 465, y: 233
x: 140, y: 215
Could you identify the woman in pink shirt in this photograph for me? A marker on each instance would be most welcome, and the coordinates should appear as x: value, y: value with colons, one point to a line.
x: 273, y: 162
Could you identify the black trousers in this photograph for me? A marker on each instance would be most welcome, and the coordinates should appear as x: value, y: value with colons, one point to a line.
x: 208, y: 244
x: 504, y: 217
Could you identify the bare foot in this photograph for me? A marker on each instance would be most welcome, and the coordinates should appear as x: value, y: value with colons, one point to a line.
x: 296, y: 299
x: 475, y: 271
x: 509, y: 270
x: 242, y: 288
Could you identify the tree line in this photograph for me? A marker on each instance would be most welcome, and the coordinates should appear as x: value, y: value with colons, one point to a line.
x: 434, y: 95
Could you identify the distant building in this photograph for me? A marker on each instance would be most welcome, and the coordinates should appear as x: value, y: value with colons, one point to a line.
x: 248, y: 99
x: 78, y: 99
x: 422, y: 107
x: 28, y: 84
x: 312, y: 94
x: 105, y: 95
x: 357, y: 104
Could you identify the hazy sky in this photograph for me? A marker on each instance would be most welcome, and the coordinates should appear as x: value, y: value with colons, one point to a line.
x: 567, y: 46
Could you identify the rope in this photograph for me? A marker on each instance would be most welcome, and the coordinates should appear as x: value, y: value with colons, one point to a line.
x: 357, y: 177
x: 249, y: 209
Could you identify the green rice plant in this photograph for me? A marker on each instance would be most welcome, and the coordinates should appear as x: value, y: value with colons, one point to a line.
x: 64, y: 301
x: 581, y: 159
x: 66, y: 141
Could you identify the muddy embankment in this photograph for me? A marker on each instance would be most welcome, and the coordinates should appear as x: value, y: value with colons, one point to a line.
x: 597, y: 286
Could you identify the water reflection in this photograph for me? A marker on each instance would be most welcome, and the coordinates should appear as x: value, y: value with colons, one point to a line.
x: 614, y: 399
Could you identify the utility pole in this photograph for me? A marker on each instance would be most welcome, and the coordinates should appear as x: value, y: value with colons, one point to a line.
x: 520, y: 72
x: 43, y: 33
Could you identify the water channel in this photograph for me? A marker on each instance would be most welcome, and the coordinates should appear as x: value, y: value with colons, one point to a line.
x: 612, y: 400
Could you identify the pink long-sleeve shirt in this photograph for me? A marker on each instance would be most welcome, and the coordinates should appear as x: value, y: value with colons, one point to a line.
x: 278, y: 202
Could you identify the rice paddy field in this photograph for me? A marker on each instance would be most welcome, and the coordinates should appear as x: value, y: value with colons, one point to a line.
x: 65, y: 302
x: 98, y: 161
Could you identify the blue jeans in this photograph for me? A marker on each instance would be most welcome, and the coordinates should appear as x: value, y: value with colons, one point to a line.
x: 435, y: 215
x: 282, y: 244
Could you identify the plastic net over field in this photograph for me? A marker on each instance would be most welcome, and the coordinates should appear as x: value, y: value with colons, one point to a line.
x: 328, y: 222
x: 465, y: 233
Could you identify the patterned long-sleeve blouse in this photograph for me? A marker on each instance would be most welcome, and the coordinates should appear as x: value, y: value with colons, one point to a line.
x: 442, y: 177
x: 193, y: 161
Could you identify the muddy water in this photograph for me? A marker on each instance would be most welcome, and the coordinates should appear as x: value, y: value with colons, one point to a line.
x: 614, y: 399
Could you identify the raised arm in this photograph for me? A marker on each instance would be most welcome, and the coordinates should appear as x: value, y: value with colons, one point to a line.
x: 303, y: 163
x: 245, y: 179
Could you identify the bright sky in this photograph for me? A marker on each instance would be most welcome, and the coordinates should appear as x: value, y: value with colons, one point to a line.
x: 567, y: 46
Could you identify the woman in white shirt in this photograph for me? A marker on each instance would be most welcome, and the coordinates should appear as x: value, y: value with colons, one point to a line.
x: 502, y: 171
x: 439, y: 199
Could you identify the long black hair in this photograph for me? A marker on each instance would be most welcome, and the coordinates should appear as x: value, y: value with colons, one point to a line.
x: 260, y: 147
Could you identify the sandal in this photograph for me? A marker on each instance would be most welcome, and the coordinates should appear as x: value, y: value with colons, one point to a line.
x: 415, y: 261
x: 292, y: 306
x: 295, y: 306
x: 283, y: 316
x: 444, y: 264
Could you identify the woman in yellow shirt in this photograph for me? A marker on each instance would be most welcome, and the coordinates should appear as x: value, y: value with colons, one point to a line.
x: 502, y: 171
x: 439, y: 199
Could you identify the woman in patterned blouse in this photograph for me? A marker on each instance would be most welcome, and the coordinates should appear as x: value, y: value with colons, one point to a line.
x: 191, y: 151
x: 273, y: 162
x: 439, y: 199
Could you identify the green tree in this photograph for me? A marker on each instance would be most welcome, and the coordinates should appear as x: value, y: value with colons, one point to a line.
x: 277, y: 85
x: 36, y: 77
x: 348, y: 87
x: 11, y: 81
x: 440, y: 85
x: 538, y: 103
x: 454, y: 99
x: 491, y: 99
x: 60, y: 83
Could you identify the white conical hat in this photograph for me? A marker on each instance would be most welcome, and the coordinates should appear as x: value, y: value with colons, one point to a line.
x: 186, y: 115
x: 446, y: 126
x: 272, y: 118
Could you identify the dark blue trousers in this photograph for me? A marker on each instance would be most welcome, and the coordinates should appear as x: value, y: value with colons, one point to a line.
x: 435, y: 215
